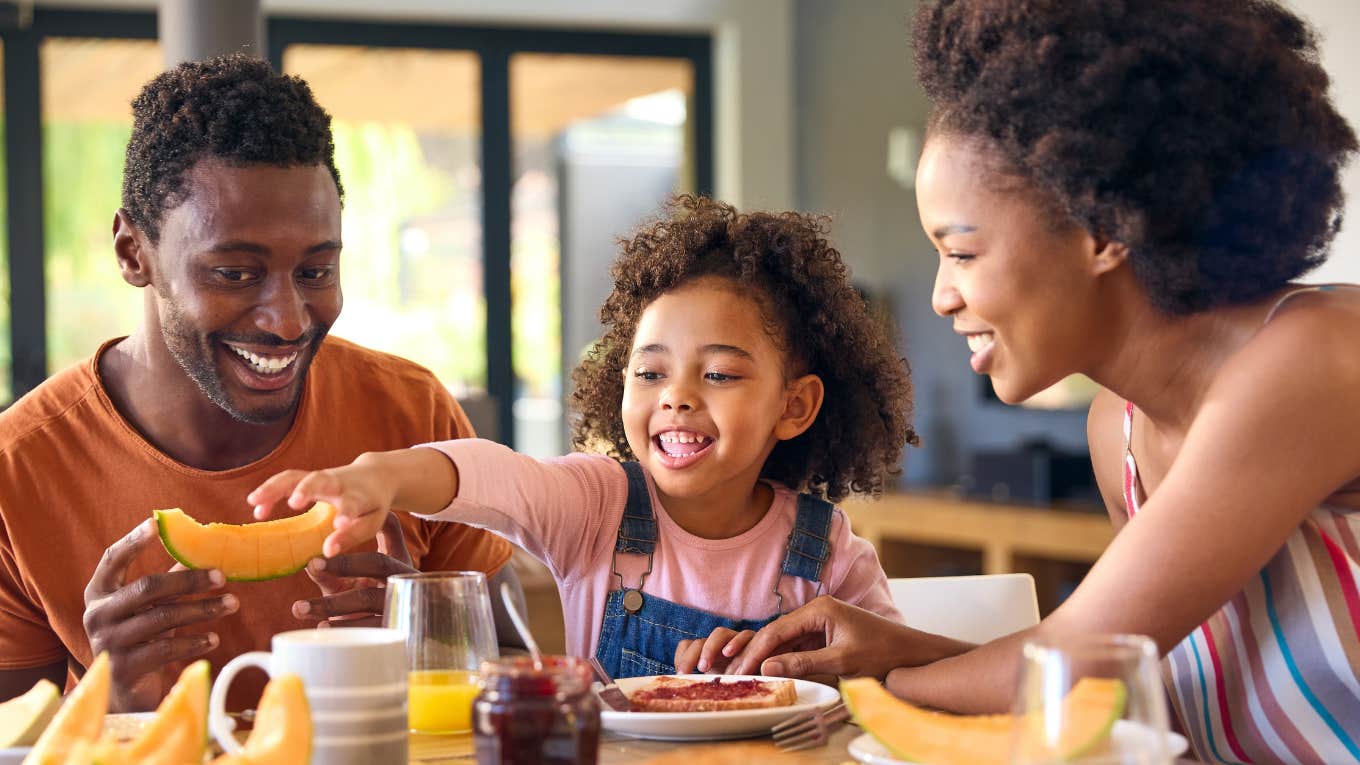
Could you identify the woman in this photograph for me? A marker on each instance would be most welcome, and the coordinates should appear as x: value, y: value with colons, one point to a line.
x: 1129, y: 189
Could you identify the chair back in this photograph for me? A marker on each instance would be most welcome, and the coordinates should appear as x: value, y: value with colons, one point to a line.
x: 976, y: 609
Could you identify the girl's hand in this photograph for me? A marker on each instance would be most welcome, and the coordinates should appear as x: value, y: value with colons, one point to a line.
x: 361, y: 493
x: 711, y: 654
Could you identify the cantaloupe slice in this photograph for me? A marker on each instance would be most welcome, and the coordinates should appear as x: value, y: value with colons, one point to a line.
x: 23, y: 718
x: 179, y: 734
x: 921, y: 735
x: 283, y: 727
x: 249, y: 552
x: 80, y: 718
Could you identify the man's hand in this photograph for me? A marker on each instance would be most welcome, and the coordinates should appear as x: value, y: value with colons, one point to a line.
x: 353, y: 585
x: 136, y: 622
x: 829, y: 637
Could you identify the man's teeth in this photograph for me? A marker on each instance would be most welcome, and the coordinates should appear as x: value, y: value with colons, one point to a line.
x: 265, y: 365
x: 979, y: 341
x: 683, y: 438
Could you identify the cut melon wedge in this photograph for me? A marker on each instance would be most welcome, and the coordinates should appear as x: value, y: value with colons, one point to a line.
x: 921, y: 735
x: 179, y: 734
x: 81, y: 716
x: 283, y: 725
x: 22, y: 719
x: 249, y: 552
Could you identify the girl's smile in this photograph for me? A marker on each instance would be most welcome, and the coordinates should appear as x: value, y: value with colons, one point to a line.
x: 679, y: 448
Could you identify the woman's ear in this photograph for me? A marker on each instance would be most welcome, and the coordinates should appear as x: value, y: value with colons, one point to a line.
x: 1107, y: 254
x: 132, y: 250
x: 803, y: 402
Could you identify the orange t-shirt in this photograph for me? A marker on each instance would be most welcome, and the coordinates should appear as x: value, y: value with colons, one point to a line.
x: 75, y: 476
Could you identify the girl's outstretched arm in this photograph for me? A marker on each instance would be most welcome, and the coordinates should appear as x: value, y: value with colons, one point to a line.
x: 421, y: 481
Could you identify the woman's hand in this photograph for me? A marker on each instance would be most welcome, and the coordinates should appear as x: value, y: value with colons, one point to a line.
x: 830, y: 637
x: 711, y: 654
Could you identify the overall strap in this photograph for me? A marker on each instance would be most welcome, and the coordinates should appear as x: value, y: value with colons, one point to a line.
x: 810, y: 541
x: 637, y: 530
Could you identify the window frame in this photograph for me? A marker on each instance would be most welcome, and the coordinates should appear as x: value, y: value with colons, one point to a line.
x: 494, y: 45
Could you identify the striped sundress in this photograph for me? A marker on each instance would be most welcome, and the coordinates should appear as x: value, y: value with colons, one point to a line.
x: 1274, y: 675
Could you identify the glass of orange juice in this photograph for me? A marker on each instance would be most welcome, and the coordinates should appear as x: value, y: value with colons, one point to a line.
x: 446, y: 617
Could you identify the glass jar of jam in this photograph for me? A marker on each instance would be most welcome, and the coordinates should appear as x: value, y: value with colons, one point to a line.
x: 528, y: 716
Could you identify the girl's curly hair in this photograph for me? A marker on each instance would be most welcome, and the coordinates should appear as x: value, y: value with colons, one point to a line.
x: 809, y: 307
x: 1199, y: 133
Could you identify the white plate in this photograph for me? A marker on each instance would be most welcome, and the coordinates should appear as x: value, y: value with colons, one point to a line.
x: 866, y: 748
x: 124, y: 726
x: 712, y: 726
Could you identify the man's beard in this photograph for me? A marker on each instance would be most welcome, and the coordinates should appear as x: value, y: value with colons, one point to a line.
x: 195, y: 355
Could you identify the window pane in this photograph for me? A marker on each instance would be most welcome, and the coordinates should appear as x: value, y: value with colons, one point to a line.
x: 408, y: 146
x: 600, y: 143
x: 6, y: 367
x: 87, y: 91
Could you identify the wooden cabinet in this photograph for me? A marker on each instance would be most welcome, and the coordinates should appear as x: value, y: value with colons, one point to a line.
x: 930, y: 534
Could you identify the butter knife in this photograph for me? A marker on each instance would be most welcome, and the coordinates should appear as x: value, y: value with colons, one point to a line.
x: 610, y: 693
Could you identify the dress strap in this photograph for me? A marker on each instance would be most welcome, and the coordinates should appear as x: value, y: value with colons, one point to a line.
x: 1304, y: 290
x: 1130, y: 466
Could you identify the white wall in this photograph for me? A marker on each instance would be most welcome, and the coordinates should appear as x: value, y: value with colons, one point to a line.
x: 1338, y: 23
x: 753, y: 64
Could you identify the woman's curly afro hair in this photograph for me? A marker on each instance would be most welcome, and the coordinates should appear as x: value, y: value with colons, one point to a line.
x: 233, y: 108
x: 1197, y: 132
x: 811, y: 310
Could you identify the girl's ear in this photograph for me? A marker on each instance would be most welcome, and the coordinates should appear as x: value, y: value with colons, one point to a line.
x: 132, y: 250
x: 801, y: 407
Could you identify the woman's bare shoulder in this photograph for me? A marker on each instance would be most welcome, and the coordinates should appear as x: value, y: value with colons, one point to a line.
x: 1105, y: 439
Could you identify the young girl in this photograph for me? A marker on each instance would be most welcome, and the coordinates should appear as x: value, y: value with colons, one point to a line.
x: 1130, y: 190
x: 738, y: 367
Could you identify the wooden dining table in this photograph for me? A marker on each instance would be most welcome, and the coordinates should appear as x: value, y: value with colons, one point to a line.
x: 617, y: 750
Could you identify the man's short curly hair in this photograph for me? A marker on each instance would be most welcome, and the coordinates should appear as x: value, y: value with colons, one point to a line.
x: 811, y: 310
x: 233, y: 108
x: 1199, y: 133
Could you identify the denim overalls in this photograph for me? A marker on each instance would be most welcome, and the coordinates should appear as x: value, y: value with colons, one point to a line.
x: 639, y: 633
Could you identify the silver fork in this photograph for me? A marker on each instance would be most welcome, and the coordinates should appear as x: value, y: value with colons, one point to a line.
x: 809, y: 729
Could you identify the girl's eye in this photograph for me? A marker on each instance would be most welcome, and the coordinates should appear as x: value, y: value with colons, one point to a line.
x: 647, y: 375
x: 720, y: 377
x: 959, y: 257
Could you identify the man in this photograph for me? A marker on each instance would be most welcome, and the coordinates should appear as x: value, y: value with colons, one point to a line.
x: 231, y: 224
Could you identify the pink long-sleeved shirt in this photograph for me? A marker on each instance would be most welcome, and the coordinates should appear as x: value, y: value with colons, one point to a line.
x: 566, y: 512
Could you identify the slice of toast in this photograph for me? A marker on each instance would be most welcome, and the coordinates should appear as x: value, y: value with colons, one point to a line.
x: 678, y: 694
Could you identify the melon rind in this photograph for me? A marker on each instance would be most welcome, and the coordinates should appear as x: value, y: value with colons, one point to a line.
x: 23, y: 718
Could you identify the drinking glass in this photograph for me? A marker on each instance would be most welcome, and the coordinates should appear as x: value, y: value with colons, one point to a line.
x: 446, y: 618
x: 1068, y: 702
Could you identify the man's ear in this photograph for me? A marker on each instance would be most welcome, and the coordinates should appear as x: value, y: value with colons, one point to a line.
x: 1107, y: 254
x: 801, y: 407
x: 132, y: 249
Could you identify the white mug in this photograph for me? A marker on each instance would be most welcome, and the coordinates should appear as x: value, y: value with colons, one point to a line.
x: 355, y: 681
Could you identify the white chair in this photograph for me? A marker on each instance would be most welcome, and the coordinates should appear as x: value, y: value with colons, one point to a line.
x: 975, y: 609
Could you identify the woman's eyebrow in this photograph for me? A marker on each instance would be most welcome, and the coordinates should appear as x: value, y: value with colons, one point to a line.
x: 953, y: 228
